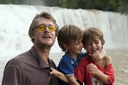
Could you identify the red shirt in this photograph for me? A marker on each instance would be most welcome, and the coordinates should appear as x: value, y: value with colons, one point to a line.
x: 82, y: 74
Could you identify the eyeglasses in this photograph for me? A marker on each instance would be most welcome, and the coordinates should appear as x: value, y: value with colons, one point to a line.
x: 43, y: 27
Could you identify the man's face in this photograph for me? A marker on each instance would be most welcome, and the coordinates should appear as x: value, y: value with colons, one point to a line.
x: 46, y: 37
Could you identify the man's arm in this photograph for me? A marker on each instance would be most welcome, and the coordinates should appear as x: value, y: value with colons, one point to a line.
x: 13, y: 76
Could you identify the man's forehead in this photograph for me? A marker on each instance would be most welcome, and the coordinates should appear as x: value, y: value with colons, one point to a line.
x: 44, y: 21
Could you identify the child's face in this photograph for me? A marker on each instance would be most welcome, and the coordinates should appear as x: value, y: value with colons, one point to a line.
x: 93, y: 46
x: 75, y: 47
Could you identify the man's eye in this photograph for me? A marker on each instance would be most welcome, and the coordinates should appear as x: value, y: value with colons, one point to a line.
x: 41, y: 27
x: 50, y: 27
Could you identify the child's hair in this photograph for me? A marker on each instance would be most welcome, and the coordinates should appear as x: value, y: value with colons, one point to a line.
x: 92, y: 33
x: 68, y: 33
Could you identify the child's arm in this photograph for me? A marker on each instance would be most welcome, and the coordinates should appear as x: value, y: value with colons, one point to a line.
x: 97, y: 56
x: 93, y: 69
x: 59, y: 75
x: 72, y: 80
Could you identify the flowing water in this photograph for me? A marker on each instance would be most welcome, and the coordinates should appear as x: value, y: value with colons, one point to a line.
x: 16, y: 19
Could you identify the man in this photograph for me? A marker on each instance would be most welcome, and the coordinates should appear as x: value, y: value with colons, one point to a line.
x: 33, y: 66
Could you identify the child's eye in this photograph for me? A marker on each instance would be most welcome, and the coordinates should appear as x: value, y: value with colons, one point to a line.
x: 77, y: 43
x: 89, y: 43
x: 96, y: 42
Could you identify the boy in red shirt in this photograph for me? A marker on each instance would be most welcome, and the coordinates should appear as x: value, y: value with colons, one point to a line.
x: 92, y: 72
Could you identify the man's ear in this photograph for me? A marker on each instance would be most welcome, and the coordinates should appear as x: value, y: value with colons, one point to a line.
x: 66, y: 46
x: 33, y: 35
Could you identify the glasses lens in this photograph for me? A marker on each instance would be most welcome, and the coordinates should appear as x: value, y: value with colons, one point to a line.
x: 51, y: 28
x: 40, y: 28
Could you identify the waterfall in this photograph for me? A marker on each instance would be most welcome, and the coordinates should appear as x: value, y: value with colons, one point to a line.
x: 16, y: 19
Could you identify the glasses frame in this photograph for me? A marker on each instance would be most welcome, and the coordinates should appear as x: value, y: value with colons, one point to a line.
x: 44, y: 29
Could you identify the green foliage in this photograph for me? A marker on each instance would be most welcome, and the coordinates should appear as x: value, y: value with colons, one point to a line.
x: 52, y: 2
x: 6, y: 1
x: 69, y: 4
x: 123, y: 6
x: 113, y: 4
x: 105, y: 5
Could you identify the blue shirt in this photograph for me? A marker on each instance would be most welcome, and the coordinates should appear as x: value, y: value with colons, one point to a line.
x: 67, y: 65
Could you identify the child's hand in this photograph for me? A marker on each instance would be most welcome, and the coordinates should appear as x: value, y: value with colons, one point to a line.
x: 96, y: 56
x: 59, y: 75
x: 92, y: 68
x: 54, y: 72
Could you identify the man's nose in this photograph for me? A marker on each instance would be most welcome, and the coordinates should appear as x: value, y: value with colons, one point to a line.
x: 46, y: 29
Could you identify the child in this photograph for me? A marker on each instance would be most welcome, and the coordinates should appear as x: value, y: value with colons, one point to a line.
x: 70, y: 39
x: 93, y: 72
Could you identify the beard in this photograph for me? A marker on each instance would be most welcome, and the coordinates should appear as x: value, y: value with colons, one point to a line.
x: 41, y: 45
x: 46, y: 45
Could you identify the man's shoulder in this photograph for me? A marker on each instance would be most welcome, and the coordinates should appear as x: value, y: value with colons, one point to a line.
x: 51, y: 60
x: 19, y: 59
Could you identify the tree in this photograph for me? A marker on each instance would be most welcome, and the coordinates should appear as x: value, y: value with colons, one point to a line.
x: 6, y: 1
x: 105, y: 5
x: 123, y: 6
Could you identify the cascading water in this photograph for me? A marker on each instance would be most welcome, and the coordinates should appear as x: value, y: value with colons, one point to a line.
x: 16, y: 19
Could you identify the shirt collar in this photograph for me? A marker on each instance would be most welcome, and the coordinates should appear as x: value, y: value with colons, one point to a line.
x: 40, y: 60
x: 79, y: 56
